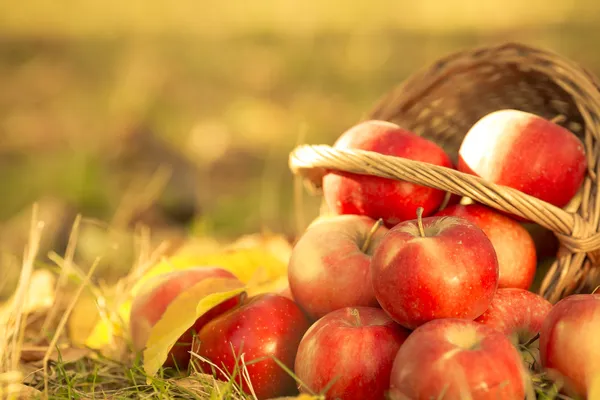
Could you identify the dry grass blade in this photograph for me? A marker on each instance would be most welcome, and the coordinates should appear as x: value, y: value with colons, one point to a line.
x: 13, y: 322
x: 63, y: 277
x: 63, y: 322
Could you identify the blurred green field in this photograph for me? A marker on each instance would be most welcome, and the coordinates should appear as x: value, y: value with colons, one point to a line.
x: 208, y: 100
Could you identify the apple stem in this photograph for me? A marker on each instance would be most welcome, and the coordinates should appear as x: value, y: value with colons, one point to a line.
x: 354, y: 312
x: 596, y: 289
x: 420, y: 221
x: 369, y: 238
x: 533, y: 339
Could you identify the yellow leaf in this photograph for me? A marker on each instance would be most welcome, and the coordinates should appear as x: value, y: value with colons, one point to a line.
x: 87, y: 326
x: 594, y: 389
x: 276, y: 245
x: 258, y: 260
x: 254, y: 266
x: 272, y: 286
x: 83, y: 319
x: 39, y: 296
x: 199, y: 245
x: 181, y: 314
x: 105, y: 330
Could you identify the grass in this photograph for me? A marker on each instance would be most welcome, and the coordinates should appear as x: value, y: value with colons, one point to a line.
x: 38, y: 359
x: 35, y: 351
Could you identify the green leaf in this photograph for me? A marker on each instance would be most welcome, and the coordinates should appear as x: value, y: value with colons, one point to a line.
x: 181, y: 315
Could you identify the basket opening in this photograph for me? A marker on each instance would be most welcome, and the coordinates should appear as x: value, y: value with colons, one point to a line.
x: 458, y: 96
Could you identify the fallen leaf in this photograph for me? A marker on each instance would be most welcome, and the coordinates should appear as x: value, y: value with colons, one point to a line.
x: 594, y: 389
x: 22, y: 392
x: 254, y: 265
x: 199, y: 246
x: 277, y: 245
x: 83, y: 319
x: 11, y: 387
x: 269, y: 286
x: 88, y: 327
x: 106, y: 331
x: 10, y: 377
x: 67, y: 355
x: 260, y: 261
x: 40, y: 294
x: 181, y: 314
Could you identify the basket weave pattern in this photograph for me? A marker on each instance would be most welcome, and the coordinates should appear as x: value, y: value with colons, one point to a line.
x: 443, y: 101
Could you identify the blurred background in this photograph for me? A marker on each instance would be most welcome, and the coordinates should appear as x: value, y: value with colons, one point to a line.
x: 181, y: 115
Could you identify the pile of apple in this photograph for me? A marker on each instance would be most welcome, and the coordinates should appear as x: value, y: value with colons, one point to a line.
x: 400, y: 296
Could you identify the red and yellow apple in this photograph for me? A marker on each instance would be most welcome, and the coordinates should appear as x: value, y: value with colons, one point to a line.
x: 514, y: 246
x: 455, y: 359
x: 516, y: 311
x: 525, y: 152
x: 348, y: 354
x: 264, y: 328
x: 376, y: 197
x: 570, y: 342
x: 432, y: 268
x: 519, y: 314
x: 330, y: 265
x: 156, y: 295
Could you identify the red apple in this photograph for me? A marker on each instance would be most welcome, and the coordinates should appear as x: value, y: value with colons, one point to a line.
x: 349, y: 353
x: 516, y: 311
x: 437, y: 267
x: 286, y: 292
x: 457, y: 359
x: 526, y: 152
x: 513, y: 245
x: 376, y: 197
x: 570, y: 341
x: 157, y: 294
x: 330, y: 265
x: 518, y: 314
x: 263, y: 327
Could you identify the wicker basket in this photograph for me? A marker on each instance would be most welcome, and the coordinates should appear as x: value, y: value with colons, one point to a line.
x: 443, y: 101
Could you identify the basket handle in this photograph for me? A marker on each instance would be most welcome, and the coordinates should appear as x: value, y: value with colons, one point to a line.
x: 312, y: 162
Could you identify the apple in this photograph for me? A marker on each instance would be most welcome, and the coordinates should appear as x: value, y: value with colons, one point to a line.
x: 330, y: 265
x: 286, y: 292
x: 348, y: 354
x: 519, y: 314
x: 526, y: 152
x: 570, y: 342
x: 434, y: 267
x: 514, y: 246
x: 457, y: 359
x: 156, y: 295
x: 393, y: 200
x: 516, y: 311
x: 264, y: 328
